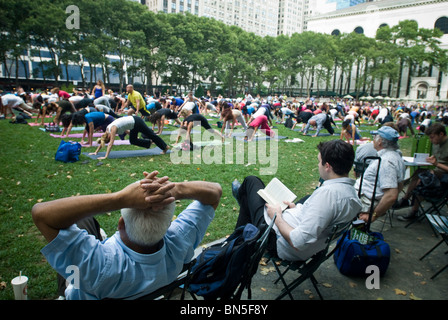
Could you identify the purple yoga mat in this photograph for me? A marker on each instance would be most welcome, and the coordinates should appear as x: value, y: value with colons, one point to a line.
x: 76, y: 135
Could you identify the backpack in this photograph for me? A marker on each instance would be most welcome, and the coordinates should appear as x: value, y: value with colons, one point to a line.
x: 68, y: 151
x: 52, y: 127
x: 289, y: 123
x: 430, y: 185
x: 19, y: 119
x: 219, y: 268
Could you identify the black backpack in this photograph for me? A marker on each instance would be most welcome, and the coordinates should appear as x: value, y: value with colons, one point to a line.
x: 289, y: 123
x: 430, y: 185
x: 219, y: 268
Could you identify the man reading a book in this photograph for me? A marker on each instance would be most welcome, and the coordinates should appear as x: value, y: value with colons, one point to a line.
x: 301, y: 229
x: 439, y: 159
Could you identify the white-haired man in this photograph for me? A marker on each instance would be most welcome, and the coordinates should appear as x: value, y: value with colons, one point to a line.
x: 147, y: 252
x: 390, y: 176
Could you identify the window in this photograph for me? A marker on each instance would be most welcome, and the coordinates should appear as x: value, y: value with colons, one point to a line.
x: 359, y: 30
x: 335, y: 32
x: 442, y: 24
x: 422, y: 91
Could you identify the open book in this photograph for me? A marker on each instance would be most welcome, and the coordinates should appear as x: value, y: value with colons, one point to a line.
x: 419, y: 158
x: 276, y: 192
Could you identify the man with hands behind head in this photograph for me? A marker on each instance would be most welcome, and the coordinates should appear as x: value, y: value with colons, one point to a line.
x: 146, y: 253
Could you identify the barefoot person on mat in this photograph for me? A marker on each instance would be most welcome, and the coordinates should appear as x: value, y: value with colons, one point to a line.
x: 132, y: 125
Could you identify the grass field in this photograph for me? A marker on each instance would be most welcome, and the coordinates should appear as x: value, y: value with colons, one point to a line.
x: 30, y: 174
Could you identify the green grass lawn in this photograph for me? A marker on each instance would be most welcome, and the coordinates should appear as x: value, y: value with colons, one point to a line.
x: 29, y: 174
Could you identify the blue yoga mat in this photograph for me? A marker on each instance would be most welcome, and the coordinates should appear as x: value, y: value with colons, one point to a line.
x: 321, y: 134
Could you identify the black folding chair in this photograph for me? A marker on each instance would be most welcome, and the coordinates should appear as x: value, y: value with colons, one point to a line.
x: 167, y: 291
x: 306, y: 268
x: 249, y: 269
x: 440, y: 225
x: 435, y: 206
x: 254, y: 261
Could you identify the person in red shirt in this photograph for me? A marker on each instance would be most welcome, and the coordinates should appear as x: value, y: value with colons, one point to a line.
x: 63, y: 95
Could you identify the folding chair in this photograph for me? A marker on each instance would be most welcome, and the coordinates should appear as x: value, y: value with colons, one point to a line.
x: 250, y: 268
x: 435, y: 206
x: 306, y: 268
x: 420, y: 144
x: 167, y: 291
x: 254, y: 261
x: 440, y: 224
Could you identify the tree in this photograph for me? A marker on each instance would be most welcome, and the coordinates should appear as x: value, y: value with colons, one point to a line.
x: 417, y: 48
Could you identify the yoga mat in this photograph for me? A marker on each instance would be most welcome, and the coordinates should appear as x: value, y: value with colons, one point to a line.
x: 262, y: 138
x: 322, y: 134
x: 177, y: 131
x: 241, y: 135
x: 73, y: 129
x: 127, y: 153
x: 117, y: 142
x: 208, y: 143
x: 295, y: 140
x: 76, y: 135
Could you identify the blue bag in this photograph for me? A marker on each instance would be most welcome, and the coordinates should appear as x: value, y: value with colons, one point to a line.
x: 352, y: 257
x: 219, y: 268
x: 68, y: 151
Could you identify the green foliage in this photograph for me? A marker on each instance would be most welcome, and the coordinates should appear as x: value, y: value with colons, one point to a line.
x: 183, y: 49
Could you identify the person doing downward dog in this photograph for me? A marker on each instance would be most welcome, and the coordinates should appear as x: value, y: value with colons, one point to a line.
x: 230, y: 117
x: 132, y: 125
x: 191, y: 120
x: 259, y: 122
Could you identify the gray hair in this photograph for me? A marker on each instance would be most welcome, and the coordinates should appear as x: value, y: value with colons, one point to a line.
x: 388, y: 144
x: 147, y: 227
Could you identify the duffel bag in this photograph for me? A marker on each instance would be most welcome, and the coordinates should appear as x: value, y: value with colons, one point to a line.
x: 352, y: 257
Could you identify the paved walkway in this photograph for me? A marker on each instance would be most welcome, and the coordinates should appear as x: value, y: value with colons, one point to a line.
x: 407, y: 278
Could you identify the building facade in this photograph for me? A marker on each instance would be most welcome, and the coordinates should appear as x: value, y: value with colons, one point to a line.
x: 367, y: 17
x: 257, y: 16
x: 290, y: 17
x: 175, y: 6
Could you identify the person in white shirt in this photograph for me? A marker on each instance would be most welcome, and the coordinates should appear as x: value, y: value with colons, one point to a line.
x: 390, y: 177
x: 132, y: 125
x: 10, y: 101
x: 302, y: 229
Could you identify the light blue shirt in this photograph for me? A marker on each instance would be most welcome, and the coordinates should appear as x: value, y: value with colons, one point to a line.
x: 109, y: 269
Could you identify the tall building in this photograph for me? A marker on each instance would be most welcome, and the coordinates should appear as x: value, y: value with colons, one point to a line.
x: 290, y: 16
x: 174, y: 6
x: 342, y: 4
x: 257, y: 16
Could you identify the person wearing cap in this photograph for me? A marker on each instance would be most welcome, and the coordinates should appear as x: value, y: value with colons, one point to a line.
x: 390, y: 177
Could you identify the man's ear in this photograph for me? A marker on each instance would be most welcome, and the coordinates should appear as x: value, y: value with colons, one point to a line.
x: 121, y: 225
